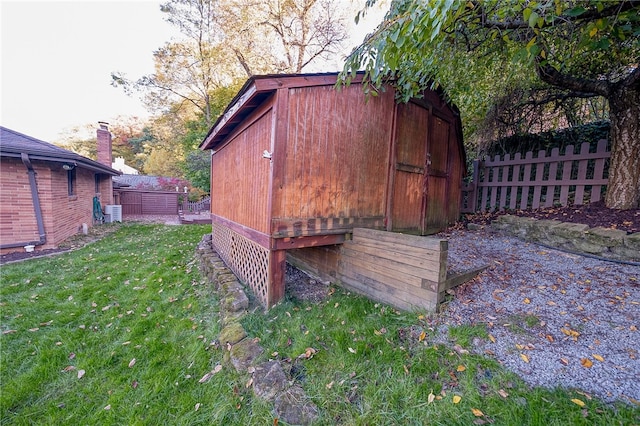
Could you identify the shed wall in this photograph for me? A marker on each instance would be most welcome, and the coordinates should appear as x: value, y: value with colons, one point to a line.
x: 240, y: 175
x: 337, y: 154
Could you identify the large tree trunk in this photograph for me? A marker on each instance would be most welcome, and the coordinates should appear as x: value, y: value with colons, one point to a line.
x: 623, y: 190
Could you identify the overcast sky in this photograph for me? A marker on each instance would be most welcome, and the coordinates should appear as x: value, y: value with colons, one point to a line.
x: 57, y: 59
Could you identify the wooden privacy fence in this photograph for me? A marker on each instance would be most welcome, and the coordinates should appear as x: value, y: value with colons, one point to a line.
x: 541, y: 181
x: 140, y: 202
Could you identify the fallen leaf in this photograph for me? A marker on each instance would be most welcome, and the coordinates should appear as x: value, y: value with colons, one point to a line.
x: 210, y: 374
x: 461, y: 368
x: 134, y: 384
x: 564, y: 361
x: 9, y: 331
x: 422, y: 336
x: 502, y: 393
x: 549, y: 338
x: 353, y: 351
x: 430, y: 397
x: 578, y: 402
x: 108, y: 407
x: 477, y: 412
x: 81, y: 374
x: 69, y: 368
x: 524, y: 357
x: 460, y: 349
x: 598, y: 357
x: 572, y: 333
x: 197, y: 407
x: 586, y: 362
x: 586, y: 395
x: 526, y: 301
x: 329, y: 385
x: 457, y: 399
x: 493, y: 339
x: 132, y: 363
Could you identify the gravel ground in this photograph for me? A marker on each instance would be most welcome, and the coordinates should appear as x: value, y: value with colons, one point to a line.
x: 556, y: 319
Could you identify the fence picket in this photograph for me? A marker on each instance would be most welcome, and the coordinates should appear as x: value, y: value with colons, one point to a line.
x: 514, y: 180
x: 598, y: 171
x: 582, y: 175
x: 505, y: 179
x: 525, y: 180
x: 537, y: 182
x: 553, y: 176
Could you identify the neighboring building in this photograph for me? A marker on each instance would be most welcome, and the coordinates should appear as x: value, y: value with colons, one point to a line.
x: 120, y: 166
x: 46, y: 192
x: 297, y: 164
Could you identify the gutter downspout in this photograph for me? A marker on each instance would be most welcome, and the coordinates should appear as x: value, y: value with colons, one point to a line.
x: 36, y: 207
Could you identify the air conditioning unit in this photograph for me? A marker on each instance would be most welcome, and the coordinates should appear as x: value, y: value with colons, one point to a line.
x: 113, y: 213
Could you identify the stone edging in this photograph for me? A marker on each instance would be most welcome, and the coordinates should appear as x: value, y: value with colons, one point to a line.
x: 269, y: 380
x: 608, y: 243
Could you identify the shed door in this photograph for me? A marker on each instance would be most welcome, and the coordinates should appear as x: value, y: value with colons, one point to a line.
x: 437, y: 192
x: 407, y: 195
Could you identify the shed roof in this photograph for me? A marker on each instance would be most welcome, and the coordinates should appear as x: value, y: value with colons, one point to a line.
x: 254, y: 92
x: 14, y: 144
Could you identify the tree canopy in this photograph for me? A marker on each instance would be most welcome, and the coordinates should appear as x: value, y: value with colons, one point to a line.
x: 482, y: 51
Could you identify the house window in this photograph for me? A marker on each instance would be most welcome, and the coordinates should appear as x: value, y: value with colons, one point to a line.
x: 71, y: 181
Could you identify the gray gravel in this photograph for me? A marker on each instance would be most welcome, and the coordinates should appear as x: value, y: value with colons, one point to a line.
x: 575, y: 319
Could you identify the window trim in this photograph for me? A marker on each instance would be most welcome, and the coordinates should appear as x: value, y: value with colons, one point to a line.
x: 71, y: 182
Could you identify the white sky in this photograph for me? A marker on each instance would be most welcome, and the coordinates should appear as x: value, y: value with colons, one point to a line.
x: 57, y: 59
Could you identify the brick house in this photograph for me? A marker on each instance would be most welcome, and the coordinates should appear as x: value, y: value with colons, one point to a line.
x: 46, y: 192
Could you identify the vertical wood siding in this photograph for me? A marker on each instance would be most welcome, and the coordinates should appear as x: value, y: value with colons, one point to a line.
x: 240, y: 176
x: 336, y: 154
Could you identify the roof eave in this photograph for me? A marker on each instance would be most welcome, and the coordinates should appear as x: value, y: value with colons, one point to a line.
x: 77, y: 161
x: 248, y: 91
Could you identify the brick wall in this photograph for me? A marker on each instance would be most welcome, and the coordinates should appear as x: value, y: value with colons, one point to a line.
x: 17, y: 219
x: 63, y: 215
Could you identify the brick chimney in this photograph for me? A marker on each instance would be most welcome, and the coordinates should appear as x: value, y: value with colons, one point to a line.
x: 104, y: 144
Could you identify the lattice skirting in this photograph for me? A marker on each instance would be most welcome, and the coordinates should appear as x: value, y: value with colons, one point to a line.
x: 248, y: 260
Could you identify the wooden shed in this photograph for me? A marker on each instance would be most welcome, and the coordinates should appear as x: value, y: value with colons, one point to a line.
x: 298, y: 164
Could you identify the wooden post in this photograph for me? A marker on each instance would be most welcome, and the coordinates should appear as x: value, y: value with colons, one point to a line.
x: 277, y: 265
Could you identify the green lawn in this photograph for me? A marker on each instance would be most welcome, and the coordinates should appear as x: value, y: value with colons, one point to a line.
x: 121, y: 332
